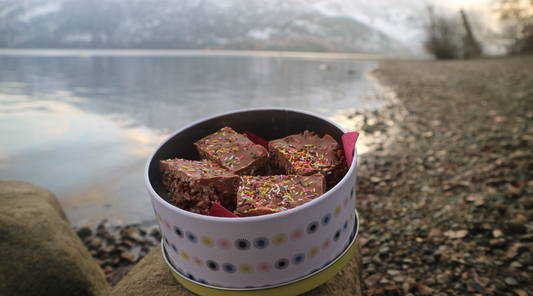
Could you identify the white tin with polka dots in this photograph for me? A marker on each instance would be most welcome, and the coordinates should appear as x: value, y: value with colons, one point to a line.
x: 257, y: 251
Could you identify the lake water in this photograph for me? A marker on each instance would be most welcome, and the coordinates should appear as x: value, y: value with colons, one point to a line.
x: 83, y: 126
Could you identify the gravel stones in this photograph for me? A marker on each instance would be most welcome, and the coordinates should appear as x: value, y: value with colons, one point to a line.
x: 117, y: 249
x: 446, y: 198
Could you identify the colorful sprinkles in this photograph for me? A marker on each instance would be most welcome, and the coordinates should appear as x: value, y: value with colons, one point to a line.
x: 278, y: 193
x: 230, y: 149
x: 197, y: 169
x: 308, y: 153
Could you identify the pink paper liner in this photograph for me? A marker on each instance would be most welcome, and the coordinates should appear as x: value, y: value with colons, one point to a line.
x: 219, y: 211
x: 348, y: 140
x: 256, y: 139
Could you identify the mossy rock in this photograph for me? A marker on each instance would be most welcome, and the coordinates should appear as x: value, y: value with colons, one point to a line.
x: 40, y: 254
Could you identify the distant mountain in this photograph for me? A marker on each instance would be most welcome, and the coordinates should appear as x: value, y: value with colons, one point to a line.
x: 296, y: 25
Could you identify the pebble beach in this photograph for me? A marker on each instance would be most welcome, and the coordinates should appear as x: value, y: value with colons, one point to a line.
x: 447, y: 203
x: 445, y: 199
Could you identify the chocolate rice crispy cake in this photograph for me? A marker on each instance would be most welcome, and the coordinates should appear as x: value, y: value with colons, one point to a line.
x: 307, y: 154
x: 262, y: 195
x: 234, y: 152
x: 195, y: 185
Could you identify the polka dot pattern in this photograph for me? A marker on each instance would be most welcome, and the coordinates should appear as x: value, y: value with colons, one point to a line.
x: 312, y: 227
x: 261, y: 242
x: 198, y: 261
x: 325, y: 220
x: 313, y: 252
x: 298, y: 258
x: 337, y: 211
x: 279, y: 239
x: 224, y: 244
x: 213, y: 265
x: 242, y: 244
x: 229, y: 268
x: 337, y: 235
x: 191, y: 237
x: 322, y: 225
x: 264, y: 267
x: 297, y: 234
x: 282, y: 263
x: 207, y: 241
x: 326, y: 243
x: 246, y: 268
x: 178, y: 232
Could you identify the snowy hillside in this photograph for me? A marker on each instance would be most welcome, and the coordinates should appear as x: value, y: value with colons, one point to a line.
x: 297, y: 25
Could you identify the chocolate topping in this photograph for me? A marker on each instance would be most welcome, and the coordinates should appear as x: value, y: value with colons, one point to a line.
x: 261, y: 195
x: 234, y: 152
x: 307, y: 154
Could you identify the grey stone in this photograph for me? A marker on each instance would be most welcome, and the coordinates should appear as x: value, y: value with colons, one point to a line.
x: 384, y: 281
x: 512, y: 282
x: 443, y: 279
x: 399, y: 278
x: 384, y: 250
x: 84, y: 232
x: 128, y: 256
x: 95, y: 243
x: 393, y: 272
x: 41, y: 253
x: 497, y: 196
x: 516, y: 225
x: 525, y: 258
x: 416, y: 224
x: 151, y: 276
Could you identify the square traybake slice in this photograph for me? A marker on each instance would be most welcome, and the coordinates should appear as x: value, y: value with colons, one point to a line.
x: 195, y: 185
x: 234, y: 152
x: 262, y: 195
x: 307, y: 154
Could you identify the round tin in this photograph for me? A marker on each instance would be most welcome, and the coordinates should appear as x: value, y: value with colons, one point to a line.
x: 261, y: 251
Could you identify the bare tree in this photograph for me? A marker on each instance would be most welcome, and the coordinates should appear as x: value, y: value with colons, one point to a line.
x: 472, y: 47
x: 444, y: 38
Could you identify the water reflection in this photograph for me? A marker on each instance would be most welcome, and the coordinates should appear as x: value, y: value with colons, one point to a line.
x: 84, y: 127
x: 90, y: 161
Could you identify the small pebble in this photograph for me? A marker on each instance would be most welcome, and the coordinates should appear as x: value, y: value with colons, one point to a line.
x: 511, y: 282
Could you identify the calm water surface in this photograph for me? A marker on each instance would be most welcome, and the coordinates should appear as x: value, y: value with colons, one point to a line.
x: 83, y: 127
